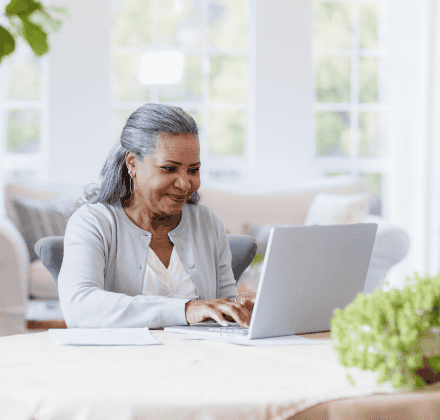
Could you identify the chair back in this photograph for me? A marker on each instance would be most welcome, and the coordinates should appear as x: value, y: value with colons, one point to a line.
x: 51, y: 251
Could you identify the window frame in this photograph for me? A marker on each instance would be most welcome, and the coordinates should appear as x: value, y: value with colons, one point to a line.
x: 34, y: 162
x: 354, y: 164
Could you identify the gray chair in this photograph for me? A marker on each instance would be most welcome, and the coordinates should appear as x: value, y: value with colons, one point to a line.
x: 51, y: 251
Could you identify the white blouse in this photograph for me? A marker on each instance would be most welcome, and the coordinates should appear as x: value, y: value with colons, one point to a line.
x: 173, y: 282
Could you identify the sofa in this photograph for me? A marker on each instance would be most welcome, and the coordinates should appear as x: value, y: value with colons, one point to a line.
x: 23, y: 277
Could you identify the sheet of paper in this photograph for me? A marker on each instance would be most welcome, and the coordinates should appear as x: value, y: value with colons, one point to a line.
x: 288, y: 340
x: 102, y: 337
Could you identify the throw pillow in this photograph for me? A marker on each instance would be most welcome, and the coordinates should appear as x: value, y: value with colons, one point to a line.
x: 39, y: 219
x: 332, y: 209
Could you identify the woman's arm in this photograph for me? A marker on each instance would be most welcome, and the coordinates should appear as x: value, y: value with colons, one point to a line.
x: 224, y: 308
x: 84, y: 301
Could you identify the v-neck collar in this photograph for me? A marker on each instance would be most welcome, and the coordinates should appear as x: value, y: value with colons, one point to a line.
x: 161, y: 264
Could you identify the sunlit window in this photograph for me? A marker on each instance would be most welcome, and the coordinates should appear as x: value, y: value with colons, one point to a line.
x: 23, y: 111
x: 192, y: 54
x: 351, y: 113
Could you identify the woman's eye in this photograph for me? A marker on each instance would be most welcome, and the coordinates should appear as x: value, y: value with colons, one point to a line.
x: 194, y: 170
x: 169, y: 168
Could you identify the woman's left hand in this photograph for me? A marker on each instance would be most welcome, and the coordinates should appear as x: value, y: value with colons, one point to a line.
x: 247, y: 299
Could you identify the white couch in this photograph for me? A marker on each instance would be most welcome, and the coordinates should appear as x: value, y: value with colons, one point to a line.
x: 20, y: 279
x: 244, y: 212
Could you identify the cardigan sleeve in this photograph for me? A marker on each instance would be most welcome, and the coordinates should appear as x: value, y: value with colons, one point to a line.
x: 83, y: 300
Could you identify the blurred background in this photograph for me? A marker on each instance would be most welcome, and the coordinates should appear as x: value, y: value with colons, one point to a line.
x: 284, y: 92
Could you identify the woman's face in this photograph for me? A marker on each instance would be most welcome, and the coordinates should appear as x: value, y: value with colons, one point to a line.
x: 166, y: 179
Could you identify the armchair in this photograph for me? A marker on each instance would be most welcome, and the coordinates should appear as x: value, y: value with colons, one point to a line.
x: 51, y: 251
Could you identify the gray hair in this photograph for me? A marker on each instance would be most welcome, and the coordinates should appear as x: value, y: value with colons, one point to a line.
x: 140, y: 136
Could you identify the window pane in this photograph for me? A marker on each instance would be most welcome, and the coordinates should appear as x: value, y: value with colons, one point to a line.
x: 337, y: 173
x: 332, y: 25
x: 333, y: 79
x: 21, y: 176
x: 179, y: 22
x: 120, y: 117
x: 23, y: 130
x: 225, y: 176
x: 125, y: 75
x: 198, y: 119
x: 368, y: 74
x: 24, y: 76
x: 131, y: 22
x: 369, y: 134
x: 228, y: 23
x: 228, y: 79
x: 374, y: 181
x: 190, y: 88
x: 368, y: 24
x: 227, y: 132
x: 332, y: 133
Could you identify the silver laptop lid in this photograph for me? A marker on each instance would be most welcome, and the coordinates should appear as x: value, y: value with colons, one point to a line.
x: 308, y: 271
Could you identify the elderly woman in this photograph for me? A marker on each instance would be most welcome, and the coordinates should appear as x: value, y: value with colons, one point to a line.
x: 141, y: 251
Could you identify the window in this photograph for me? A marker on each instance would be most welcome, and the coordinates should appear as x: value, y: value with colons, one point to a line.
x: 351, y: 112
x: 23, y: 114
x: 206, y: 41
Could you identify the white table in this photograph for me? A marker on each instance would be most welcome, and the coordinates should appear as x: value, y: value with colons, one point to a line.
x: 179, y: 379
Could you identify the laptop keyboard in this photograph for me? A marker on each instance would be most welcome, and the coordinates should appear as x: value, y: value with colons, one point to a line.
x: 234, y: 330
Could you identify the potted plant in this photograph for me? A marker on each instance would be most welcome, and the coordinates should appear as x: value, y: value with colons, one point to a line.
x: 31, y: 21
x: 395, y: 333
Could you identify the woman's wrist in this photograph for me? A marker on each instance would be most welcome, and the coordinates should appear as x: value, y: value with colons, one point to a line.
x: 242, y: 293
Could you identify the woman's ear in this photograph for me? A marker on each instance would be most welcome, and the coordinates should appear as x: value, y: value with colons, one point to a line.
x: 130, y: 158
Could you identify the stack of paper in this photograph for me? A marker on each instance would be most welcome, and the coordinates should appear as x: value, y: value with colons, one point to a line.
x: 102, y: 337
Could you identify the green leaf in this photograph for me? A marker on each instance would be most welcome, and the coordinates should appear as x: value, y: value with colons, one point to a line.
x: 7, y: 43
x: 22, y: 7
x: 16, y: 27
x: 60, y: 10
x: 434, y: 363
x: 45, y: 21
x: 35, y: 36
x: 351, y: 380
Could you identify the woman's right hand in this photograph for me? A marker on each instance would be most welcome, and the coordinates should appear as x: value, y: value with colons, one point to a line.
x: 219, y: 310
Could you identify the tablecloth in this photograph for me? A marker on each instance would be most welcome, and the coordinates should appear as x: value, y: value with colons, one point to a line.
x: 180, y: 379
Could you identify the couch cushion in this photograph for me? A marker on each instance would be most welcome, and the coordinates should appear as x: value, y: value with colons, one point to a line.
x: 333, y: 209
x: 241, y: 212
x: 15, y: 189
x: 39, y: 219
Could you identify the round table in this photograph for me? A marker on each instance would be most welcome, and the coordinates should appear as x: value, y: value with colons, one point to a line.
x: 179, y: 379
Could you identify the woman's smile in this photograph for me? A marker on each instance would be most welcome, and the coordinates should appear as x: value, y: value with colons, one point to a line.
x: 178, y: 198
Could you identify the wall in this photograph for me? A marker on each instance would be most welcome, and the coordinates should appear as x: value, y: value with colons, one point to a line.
x: 283, y: 92
x: 80, y: 92
x: 414, y: 93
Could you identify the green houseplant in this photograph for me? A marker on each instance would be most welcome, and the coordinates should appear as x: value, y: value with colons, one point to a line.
x: 394, y: 332
x: 31, y: 21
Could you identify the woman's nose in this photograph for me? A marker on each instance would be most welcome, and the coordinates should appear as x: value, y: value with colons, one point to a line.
x: 182, y: 182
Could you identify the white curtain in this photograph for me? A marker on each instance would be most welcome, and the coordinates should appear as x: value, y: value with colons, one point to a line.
x: 414, y: 90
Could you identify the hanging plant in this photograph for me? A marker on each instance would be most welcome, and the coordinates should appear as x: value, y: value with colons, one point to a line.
x: 31, y: 21
x: 395, y: 332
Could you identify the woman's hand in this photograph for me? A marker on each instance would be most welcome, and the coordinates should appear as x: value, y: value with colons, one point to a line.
x: 219, y: 310
x: 247, y: 299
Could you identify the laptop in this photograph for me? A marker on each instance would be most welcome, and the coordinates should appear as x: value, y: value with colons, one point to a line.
x: 308, y: 271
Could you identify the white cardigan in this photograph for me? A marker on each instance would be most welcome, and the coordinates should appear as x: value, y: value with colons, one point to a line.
x: 105, y: 255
